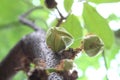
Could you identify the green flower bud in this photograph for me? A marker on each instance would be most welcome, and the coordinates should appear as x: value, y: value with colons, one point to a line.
x: 58, y: 39
x: 92, y: 45
x: 68, y: 64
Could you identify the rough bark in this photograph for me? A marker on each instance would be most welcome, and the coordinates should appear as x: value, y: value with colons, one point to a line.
x: 30, y: 47
x: 12, y: 61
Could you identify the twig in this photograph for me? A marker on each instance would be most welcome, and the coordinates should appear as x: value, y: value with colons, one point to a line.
x: 25, y: 21
x: 61, y: 18
x: 105, y: 61
x: 60, y: 13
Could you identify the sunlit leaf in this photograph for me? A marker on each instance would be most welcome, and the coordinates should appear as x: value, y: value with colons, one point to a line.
x: 104, y: 1
x: 112, y: 53
x: 10, y: 10
x: 40, y: 22
x: 113, y: 17
x: 20, y: 76
x: 72, y: 25
x: 84, y: 61
x: 11, y: 36
x: 40, y: 16
x: 95, y: 23
x: 82, y: 78
x: 40, y: 13
x: 68, y: 4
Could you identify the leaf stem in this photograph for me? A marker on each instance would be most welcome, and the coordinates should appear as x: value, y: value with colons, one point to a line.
x: 61, y: 18
x: 59, y: 13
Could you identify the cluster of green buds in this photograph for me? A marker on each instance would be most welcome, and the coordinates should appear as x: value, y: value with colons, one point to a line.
x: 58, y: 39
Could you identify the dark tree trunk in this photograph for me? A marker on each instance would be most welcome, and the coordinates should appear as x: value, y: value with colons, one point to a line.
x: 30, y: 47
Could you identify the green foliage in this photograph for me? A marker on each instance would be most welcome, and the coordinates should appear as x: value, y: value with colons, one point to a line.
x: 73, y: 26
x: 82, y: 78
x: 10, y: 36
x: 96, y: 24
x: 21, y: 76
x: 113, y: 17
x: 85, y: 61
x: 68, y: 4
x: 40, y: 16
x: 10, y: 10
x: 112, y: 53
x: 11, y: 31
x: 40, y: 13
x: 104, y: 1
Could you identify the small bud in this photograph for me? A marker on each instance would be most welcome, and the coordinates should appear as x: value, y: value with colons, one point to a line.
x: 50, y: 3
x: 58, y: 39
x: 92, y: 45
x: 65, y: 65
x: 68, y: 64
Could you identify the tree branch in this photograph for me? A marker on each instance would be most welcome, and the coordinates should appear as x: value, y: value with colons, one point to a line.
x: 12, y: 61
x: 61, y: 18
x: 27, y: 22
x: 32, y: 46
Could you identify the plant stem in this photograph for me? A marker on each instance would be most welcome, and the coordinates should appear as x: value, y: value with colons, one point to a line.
x: 59, y: 13
x: 26, y: 21
x: 105, y: 61
x: 61, y: 18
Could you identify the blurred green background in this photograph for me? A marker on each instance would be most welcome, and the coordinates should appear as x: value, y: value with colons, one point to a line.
x: 99, y: 17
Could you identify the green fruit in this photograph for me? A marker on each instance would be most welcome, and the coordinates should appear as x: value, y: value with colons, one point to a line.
x: 92, y: 45
x: 58, y: 39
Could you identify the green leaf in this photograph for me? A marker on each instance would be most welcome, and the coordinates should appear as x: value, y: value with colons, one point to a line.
x: 72, y: 25
x: 111, y: 54
x: 68, y: 4
x: 83, y: 62
x: 96, y: 24
x: 10, y: 10
x: 10, y: 36
x: 113, y: 17
x: 20, y: 76
x: 40, y: 13
x: 104, y: 1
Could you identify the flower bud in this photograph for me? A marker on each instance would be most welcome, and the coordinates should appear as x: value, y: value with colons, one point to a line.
x: 92, y: 45
x: 68, y: 64
x: 58, y: 39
